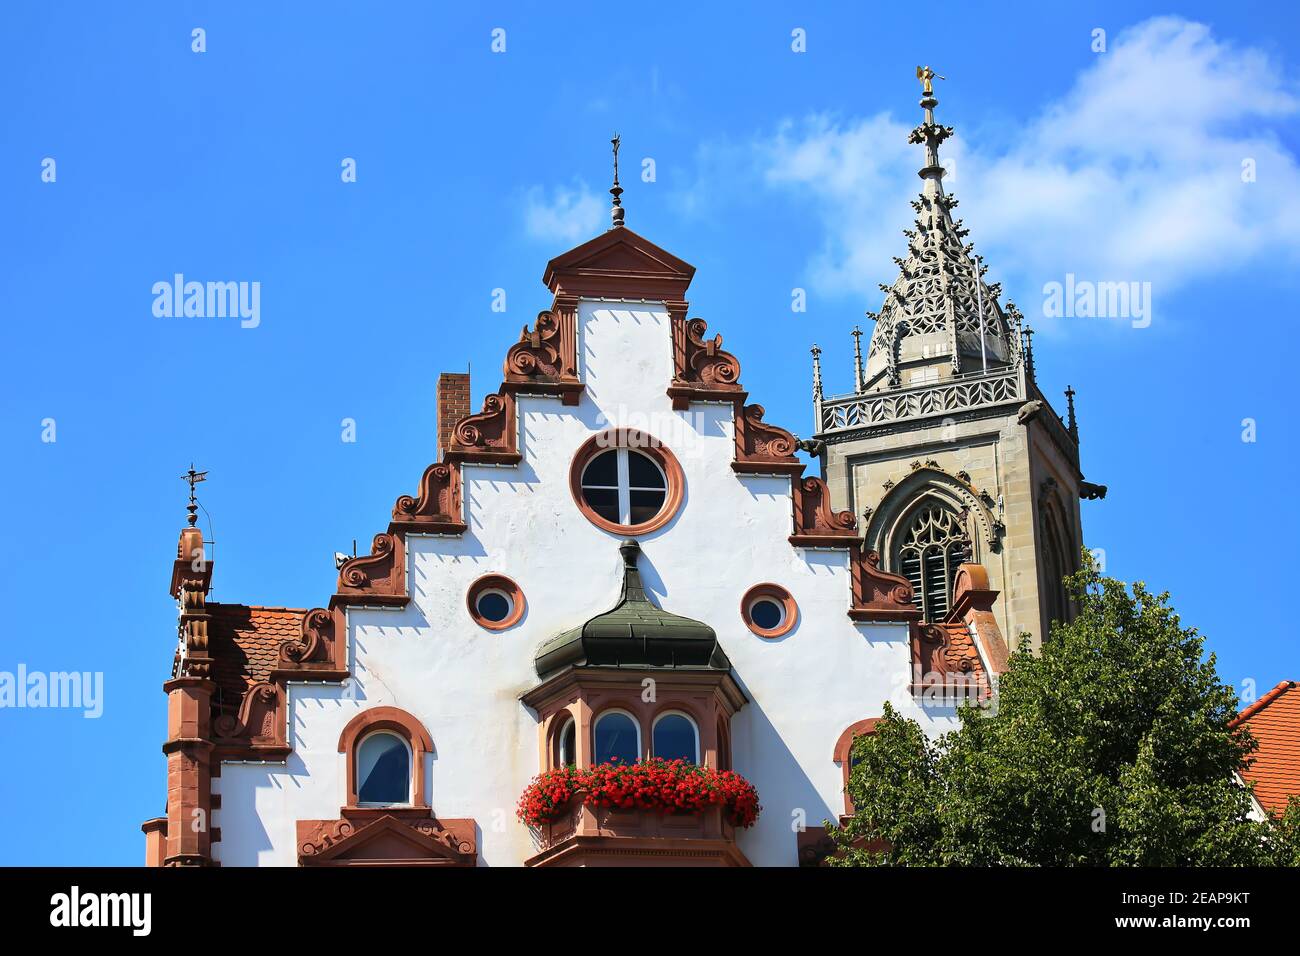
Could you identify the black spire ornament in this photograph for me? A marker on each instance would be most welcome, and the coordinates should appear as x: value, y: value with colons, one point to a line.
x: 616, y: 207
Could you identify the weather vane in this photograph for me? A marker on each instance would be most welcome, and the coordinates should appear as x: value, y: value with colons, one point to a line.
x: 193, y: 477
x: 616, y: 210
x: 925, y: 75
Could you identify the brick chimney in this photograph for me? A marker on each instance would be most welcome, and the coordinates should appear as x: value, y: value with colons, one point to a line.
x: 453, y: 405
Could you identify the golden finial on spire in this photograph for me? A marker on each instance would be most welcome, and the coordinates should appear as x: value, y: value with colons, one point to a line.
x: 925, y: 75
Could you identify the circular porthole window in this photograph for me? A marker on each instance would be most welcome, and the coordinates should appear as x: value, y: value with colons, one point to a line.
x: 769, y: 610
x: 495, y: 602
x: 626, y: 482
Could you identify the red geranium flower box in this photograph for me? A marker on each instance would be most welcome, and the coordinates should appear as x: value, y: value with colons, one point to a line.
x: 668, y: 786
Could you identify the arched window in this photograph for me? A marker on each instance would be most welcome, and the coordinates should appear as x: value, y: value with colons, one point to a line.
x: 383, y: 768
x: 675, y: 737
x: 617, y: 737
x: 386, y: 749
x: 1055, y: 600
x: 569, y: 744
x: 724, y: 745
x: 844, y: 752
x: 934, y: 544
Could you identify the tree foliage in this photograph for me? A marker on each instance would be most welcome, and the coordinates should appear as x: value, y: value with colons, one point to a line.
x: 1110, y: 748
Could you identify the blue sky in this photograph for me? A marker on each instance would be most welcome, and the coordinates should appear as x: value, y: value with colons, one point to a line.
x: 774, y: 170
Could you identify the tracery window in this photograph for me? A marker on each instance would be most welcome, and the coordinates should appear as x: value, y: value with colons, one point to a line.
x: 934, y: 545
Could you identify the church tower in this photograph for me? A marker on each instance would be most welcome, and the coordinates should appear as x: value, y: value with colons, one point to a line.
x: 947, y: 450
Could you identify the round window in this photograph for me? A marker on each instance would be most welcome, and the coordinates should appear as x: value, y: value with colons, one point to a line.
x: 626, y: 482
x: 769, y: 610
x: 495, y: 602
x: 624, y: 486
x: 494, y: 605
x: 766, y: 614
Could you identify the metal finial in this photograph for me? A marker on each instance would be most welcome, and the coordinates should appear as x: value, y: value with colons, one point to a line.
x: 193, y: 477
x: 616, y: 208
x: 1029, y: 351
x: 858, y: 378
x: 817, y: 372
x: 1072, y: 423
x: 633, y: 590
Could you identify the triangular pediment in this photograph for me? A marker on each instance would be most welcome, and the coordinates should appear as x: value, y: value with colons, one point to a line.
x: 387, y: 841
x: 619, y: 263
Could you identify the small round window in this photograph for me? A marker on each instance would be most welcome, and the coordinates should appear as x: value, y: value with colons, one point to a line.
x: 495, y: 602
x: 769, y: 610
x: 767, y: 614
x: 494, y: 605
x: 626, y: 482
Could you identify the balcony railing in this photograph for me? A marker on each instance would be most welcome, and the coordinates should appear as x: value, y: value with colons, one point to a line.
x: 583, y: 835
x: 945, y: 396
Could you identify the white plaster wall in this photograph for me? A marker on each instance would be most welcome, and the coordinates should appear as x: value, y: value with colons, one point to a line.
x: 464, y: 682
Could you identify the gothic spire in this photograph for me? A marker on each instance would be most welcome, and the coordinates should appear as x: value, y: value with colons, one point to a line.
x: 939, y: 310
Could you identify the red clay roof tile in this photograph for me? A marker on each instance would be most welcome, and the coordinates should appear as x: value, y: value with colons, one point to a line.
x: 244, y: 642
x: 1274, y: 769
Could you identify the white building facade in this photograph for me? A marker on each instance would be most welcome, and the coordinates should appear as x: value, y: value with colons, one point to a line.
x: 617, y: 532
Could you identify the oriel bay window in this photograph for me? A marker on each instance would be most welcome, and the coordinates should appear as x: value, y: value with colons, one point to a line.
x: 634, y: 683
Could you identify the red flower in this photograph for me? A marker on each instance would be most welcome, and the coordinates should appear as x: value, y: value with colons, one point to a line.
x: 670, y: 786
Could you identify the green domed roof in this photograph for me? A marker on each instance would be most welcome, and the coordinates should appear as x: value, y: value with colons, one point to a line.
x: 634, y: 633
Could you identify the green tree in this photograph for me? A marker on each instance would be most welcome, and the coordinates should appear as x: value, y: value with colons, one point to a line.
x: 1110, y: 748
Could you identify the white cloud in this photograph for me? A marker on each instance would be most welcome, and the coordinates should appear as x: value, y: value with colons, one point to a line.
x: 567, y: 215
x: 1135, y: 174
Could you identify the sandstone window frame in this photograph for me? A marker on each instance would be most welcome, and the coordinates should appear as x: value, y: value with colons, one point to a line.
x: 627, y: 441
x: 401, y: 724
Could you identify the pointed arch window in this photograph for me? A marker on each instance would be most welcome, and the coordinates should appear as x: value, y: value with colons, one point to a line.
x: 1056, y: 566
x: 934, y: 545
